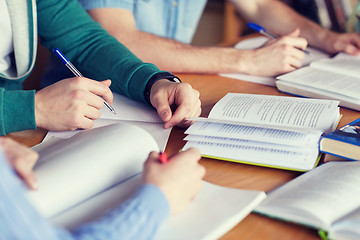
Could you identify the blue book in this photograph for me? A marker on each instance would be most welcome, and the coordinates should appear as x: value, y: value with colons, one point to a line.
x: 344, y: 142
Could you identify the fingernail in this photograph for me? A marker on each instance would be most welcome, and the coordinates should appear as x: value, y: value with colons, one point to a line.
x: 164, y: 114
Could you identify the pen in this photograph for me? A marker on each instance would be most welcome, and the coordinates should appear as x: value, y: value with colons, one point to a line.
x: 163, y: 157
x: 263, y: 31
x: 76, y: 72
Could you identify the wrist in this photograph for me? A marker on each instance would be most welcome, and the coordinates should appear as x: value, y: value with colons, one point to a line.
x: 155, y: 78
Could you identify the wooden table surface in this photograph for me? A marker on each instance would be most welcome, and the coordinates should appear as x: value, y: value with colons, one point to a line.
x: 254, y: 226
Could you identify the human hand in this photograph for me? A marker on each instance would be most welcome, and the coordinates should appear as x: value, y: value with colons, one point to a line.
x: 165, y: 93
x: 346, y: 42
x: 22, y: 159
x: 276, y: 57
x: 179, y: 179
x: 71, y: 103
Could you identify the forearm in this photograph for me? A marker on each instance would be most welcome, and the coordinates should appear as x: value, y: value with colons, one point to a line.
x: 281, y: 19
x: 174, y: 56
x: 95, y: 53
x: 137, y: 218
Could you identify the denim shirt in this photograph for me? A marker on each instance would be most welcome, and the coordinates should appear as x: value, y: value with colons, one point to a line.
x: 175, y: 19
x: 137, y: 218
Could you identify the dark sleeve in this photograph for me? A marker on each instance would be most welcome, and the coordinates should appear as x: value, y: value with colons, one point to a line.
x: 64, y: 24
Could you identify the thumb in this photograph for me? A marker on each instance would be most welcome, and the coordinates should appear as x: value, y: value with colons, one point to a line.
x: 106, y: 82
x: 295, y: 33
x: 162, y: 106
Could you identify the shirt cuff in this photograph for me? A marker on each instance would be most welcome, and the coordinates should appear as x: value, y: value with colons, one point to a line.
x: 18, y: 111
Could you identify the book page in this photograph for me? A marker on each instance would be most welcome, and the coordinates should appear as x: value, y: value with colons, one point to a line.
x: 311, y: 92
x: 305, y: 138
x: 250, y: 143
x: 72, y: 170
x: 327, y: 80
x: 257, y: 42
x: 156, y: 130
x: 342, y: 63
x: 258, y: 155
x: 235, y: 205
x: 317, y: 198
x: 130, y: 110
x: 346, y: 228
x: 277, y: 111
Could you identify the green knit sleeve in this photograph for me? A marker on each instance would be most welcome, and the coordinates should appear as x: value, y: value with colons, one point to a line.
x: 19, y: 116
x: 65, y: 25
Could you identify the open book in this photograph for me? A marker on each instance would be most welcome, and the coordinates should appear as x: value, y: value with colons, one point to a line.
x: 326, y: 198
x: 335, y: 78
x: 257, y: 42
x: 95, y: 170
x: 273, y: 131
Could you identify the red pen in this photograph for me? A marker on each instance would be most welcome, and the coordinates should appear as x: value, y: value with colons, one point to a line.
x: 163, y: 157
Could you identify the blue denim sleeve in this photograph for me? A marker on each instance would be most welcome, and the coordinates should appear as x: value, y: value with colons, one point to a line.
x: 92, y: 4
x: 137, y: 218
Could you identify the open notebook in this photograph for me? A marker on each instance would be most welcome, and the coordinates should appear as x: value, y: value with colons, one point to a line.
x: 92, y: 172
x: 127, y: 111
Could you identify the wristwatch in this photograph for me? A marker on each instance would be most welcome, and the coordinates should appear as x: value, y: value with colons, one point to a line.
x: 156, y: 77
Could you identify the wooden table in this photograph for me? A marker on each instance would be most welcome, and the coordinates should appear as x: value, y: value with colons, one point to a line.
x: 212, y: 88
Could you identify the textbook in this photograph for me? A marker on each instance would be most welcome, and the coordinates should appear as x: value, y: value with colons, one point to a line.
x: 344, y: 142
x: 325, y: 198
x: 92, y: 172
x: 272, y: 131
x: 336, y: 78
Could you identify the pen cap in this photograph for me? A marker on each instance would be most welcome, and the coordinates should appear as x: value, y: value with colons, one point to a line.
x: 61, y: 56
x: 256, y: 27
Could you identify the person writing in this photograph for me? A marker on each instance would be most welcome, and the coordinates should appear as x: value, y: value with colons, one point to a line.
x: 75, y: 102
x: 160, y: 31
x: 165, y: 190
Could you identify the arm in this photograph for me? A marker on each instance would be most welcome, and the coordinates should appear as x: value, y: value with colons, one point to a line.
x: 98, y: 56
x: 138, y: 218
x: 178, y: 57
x: 271, y: 15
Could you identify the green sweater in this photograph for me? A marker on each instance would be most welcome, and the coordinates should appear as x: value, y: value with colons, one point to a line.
x: 65, y: 25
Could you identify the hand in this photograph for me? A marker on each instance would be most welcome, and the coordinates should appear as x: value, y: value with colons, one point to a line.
x: 346, y: 42
x: 165, y: 93
x: 22, y: 159
x: 179, y: 179
x: 71, y: 103
x: 277, y: 56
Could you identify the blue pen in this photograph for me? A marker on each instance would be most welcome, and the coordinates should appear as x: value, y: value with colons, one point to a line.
x: 76, y: 72
x: 263, y: 31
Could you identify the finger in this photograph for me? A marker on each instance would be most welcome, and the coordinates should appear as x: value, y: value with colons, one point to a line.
x: 93, y: 100
x: 351, y: 49
x: 192, y: 154
x: 85, y: 123
x: 295, y: 33
x: 196, y: 113
x: 152, y: 158
x: 161, y: 103
x: 100, y: 89
x: 92, y: 113
x: 106, y: 82
x: 24, y: 165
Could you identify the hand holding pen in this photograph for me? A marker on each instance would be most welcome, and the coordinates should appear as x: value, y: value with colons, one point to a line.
x: 264, y: 32
x: 76, y: 72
